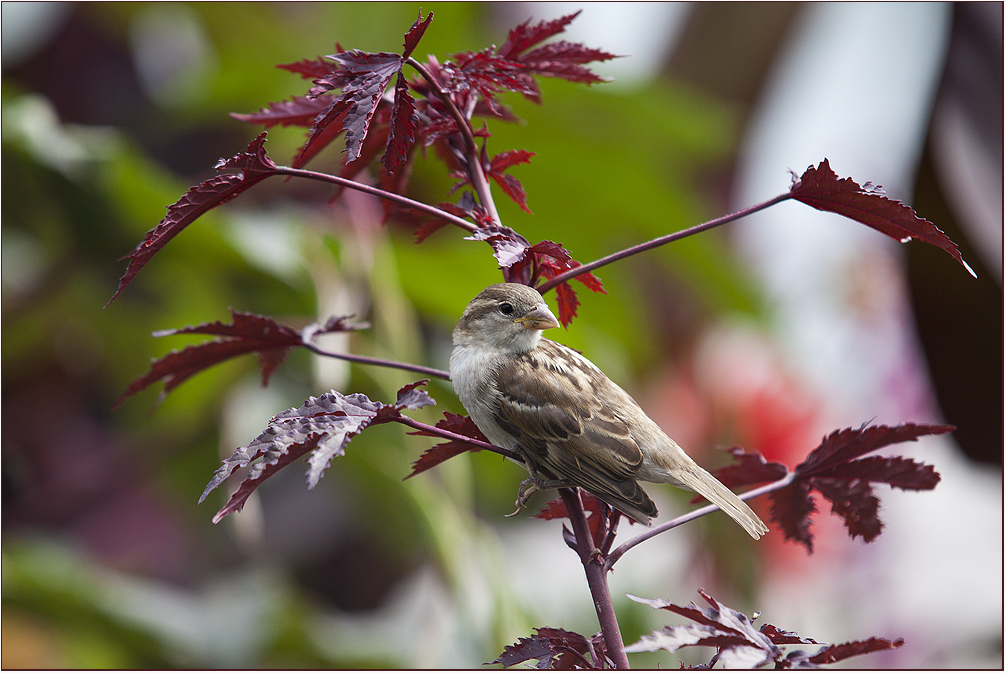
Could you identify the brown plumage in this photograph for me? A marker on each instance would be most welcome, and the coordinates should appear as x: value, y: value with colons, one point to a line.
x: 563, y: 414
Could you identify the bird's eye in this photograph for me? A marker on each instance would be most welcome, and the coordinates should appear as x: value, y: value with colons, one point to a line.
x: 506, y: 308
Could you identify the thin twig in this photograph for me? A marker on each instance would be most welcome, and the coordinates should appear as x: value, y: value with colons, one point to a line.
x: 447, y: 434
x: 475, y: 173
x: 376, y: 191
x: 656, y: 243
x: 381, y: 362
x: 691, y: 516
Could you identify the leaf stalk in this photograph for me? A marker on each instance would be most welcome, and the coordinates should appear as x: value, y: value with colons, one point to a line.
x: 475, y: 173
x: 657, y: 242
x: 380, y: 362
x: 691, y: 516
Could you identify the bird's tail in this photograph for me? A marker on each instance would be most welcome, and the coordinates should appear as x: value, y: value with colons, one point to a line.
x: 697, y: 479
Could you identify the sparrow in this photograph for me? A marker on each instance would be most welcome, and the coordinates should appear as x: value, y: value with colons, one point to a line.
x: 559, y: 412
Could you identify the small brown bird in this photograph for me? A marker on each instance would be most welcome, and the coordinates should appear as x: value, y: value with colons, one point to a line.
x: 560, y: 412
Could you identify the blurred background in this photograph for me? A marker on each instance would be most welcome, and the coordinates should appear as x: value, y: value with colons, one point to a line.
x: 768, y: 334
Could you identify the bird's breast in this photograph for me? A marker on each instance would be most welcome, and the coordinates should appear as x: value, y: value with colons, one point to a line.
x: 472, y: 372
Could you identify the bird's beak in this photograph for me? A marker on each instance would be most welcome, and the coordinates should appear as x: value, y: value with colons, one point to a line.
x: 538, y: 318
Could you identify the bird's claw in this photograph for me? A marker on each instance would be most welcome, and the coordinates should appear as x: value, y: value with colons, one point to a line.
x: 532, y: 485
x: 527, y: 487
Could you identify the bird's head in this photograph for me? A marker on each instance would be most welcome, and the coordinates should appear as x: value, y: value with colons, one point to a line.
x: 506, y: 317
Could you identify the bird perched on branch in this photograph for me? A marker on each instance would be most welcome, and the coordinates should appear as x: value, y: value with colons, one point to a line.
x: 563, y: 415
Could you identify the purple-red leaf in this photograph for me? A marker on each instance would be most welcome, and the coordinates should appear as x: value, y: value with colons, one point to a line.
x: 556, y: 649
x: 792, y: 508
x: 312, y: 68
x: 749, y: 468
x: 523, y: 37
x: 415, y: 34
x: 833, y: 653
x: 563, y: 60
x: 853, y: 501
x: 558, y: 59
x: 252, y: 166
x: 510, y: 185
x: 323, y: 425
x: 465, y: 207
x: 821, y: 188
x: 485, y: 72
x: 900, y: 472
x: 513, y: 188
x: 460, y: 425
x: 248, y: 333
x: 505, y: 160
x: 551, y: 259
x: 843, y: 446
x: 404, y: 120
x: 738, y: 644
x: 298, y: 111
x: 373, y: 73
x: 363, y: 78
x: 718, y: 626
x: 837, y: 471
x: 508, y: 246
x: 781, y: 637
x: 326, y: 127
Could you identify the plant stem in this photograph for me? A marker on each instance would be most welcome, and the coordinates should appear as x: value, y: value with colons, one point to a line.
x: 657, y: 242
x: 691, y: 516
x: 376, y: 191
x: 447, y: 434
x: 475, y: 173
x: 380, y: 362
x: 597, y: 578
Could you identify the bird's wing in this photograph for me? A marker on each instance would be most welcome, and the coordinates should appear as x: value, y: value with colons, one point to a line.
x: 558, y: 406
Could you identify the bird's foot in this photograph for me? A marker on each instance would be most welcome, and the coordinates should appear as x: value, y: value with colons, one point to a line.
x: 527, y: 487
x: 533, y: 484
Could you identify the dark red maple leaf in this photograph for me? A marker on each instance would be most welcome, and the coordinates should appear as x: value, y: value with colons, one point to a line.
x: 792, y: 508
x: 415, y: 34
x: 556, y: 649
x: 557, y: 59
x: 404, y: 120
x: 738, y: 644
x: 749, y: 468
x: 842, y: 446
x: 298, y: 111
x: 323, y: 426
x: 313, y: 68
x: 367, y: 75
x: 363, y: 78
x: 456, y: 423
x: 834, y: 653
x: 245, y: 169
x: 487, y: 74
x: 248, y: 333
x: 508, y: 246
x: 511, y: 66
x: 523, y: 37
x: 510, y: 185
x: 837, y: 470
x: 565, y: 60
x: 821, y: 188
x: 854, y: 501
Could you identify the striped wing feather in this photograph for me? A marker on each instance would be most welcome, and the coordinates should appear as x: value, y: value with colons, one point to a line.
x: 558, y: 406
